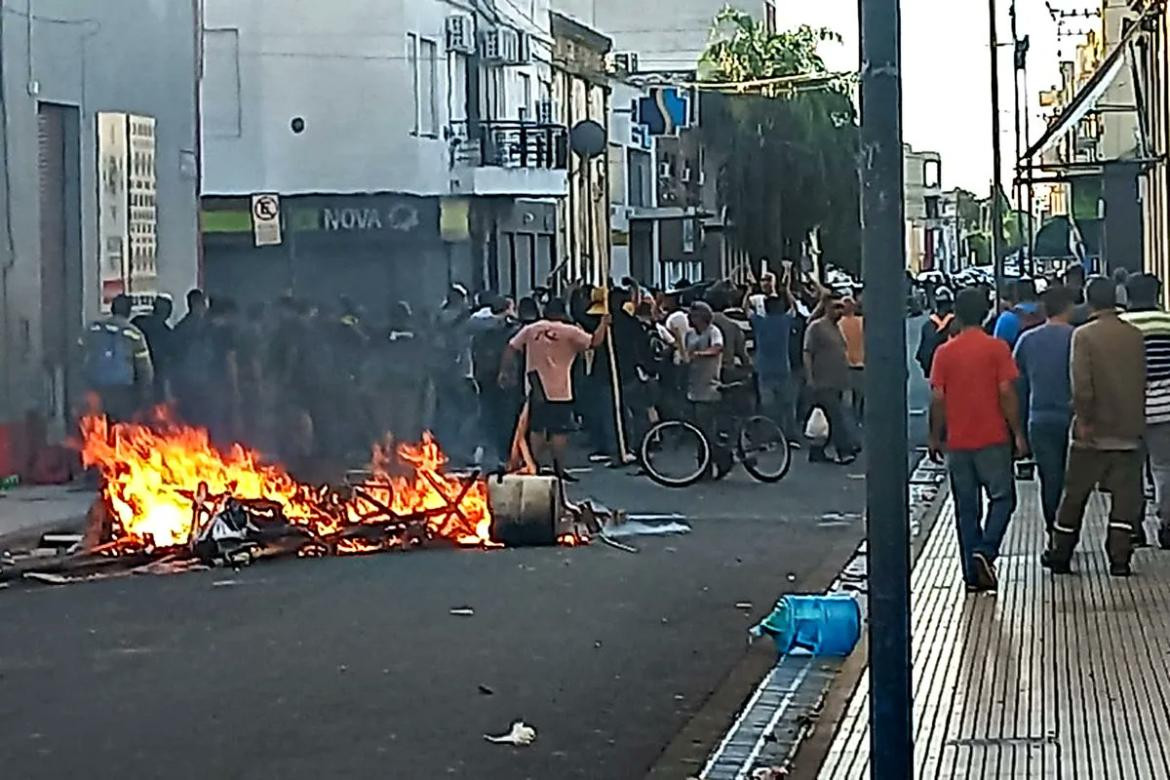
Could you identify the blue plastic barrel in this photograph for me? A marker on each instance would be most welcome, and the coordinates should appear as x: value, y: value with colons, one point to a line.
x: 814, y: 625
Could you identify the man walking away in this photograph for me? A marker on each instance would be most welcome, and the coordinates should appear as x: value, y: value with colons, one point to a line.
x: 117, y: 363
x: 827, y: 368
x: 974, y: 400
x: 1109, y: 420
x: 1022, y: 315
x: 1146, y: 315
x: 1042, y: 355
x: 773, y: 369
x: 1074, y: 279
x: 937, y: 329
x: 550, y: 347
x: 160, y: 339
x: 853, y: 329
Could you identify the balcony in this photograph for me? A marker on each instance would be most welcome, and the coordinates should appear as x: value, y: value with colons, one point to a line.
x: 510, y: 158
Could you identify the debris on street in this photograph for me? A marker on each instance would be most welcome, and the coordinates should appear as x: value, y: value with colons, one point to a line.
x: 461, y: 611
x: 521, y: 735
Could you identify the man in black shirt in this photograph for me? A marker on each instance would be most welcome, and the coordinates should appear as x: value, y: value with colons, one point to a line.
x: 160, y: 339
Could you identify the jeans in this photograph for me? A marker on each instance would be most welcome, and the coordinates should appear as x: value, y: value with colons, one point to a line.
x: 833, y: 404
x: 1158, y: 445
x: 1050, y: 448
x: 778, y: 401
x: 972, y: 473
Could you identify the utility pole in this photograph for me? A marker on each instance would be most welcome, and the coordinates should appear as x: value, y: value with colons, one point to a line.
x: 887, y: 501
x: 996, y: 157
x: 1018, y: 49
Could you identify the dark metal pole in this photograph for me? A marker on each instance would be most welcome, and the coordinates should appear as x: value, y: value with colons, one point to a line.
x: 884, y: 264
x: 1017, y: 186
x: 996, y: 157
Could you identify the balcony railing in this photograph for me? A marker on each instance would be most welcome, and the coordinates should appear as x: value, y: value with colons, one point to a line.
x: 511, y: 144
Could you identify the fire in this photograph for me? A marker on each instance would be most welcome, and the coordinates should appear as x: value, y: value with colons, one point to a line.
x: 152, y: 473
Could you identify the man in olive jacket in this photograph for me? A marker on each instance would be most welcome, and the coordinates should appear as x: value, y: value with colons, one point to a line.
x: 1108, y: 367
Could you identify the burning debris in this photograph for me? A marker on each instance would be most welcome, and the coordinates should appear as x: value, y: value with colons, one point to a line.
x: 172, y: 501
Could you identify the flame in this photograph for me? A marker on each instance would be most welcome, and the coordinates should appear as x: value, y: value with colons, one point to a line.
x: 152, y: 473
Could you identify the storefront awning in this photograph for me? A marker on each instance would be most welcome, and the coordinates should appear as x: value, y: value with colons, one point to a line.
x: 1088, y: 96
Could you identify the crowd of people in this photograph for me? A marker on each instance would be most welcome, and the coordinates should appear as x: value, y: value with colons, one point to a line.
x: 1073, y: 383
x: 310, y: 383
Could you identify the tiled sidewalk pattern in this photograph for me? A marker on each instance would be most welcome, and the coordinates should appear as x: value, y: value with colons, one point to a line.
x: 1065, y: 677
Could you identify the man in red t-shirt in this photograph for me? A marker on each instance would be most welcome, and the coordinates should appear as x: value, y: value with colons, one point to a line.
x: 975, y: 409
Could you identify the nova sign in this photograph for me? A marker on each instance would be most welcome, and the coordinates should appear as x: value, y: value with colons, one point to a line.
x: 401, y: 218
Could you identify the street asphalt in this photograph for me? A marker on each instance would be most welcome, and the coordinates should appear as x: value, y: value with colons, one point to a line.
x: 356, y: 667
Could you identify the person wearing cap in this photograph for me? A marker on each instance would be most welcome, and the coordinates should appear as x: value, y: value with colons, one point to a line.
x: 937, y: 329
x: 827, y: 368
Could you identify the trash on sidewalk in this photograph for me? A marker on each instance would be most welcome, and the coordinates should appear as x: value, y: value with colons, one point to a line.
x: 521, y: 735
x: 461, y: 611
x: 813, y: 625
x: 743, y: 605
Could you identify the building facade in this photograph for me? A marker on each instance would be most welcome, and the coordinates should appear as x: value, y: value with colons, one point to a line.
x: 922, y: 194
x: 98, y: 195
x: 411, y: 145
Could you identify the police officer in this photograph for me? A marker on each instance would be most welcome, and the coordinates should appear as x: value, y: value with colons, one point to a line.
x: 117, y: 367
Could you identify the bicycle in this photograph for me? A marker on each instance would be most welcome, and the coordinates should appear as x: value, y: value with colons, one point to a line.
x: 678, y: 453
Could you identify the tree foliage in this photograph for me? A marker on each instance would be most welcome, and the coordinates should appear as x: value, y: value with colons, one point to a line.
x: 787, y: 152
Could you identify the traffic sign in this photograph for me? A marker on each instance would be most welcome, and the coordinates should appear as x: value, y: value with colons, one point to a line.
x: 266, y: 219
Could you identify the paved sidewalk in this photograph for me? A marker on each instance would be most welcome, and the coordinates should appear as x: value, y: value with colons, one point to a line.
x: 28, y: 511
x: 1054, y: 677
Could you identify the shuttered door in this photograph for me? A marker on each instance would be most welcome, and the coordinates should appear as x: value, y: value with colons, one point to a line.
x: 54, y: 336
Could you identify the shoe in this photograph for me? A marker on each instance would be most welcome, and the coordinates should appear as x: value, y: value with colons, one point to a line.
x: 1120, y: 569
x: 972, y: 589
x: 847, y: 460
x: 1141, y: 538
x: 985, y: 572
x: 1050, y: 562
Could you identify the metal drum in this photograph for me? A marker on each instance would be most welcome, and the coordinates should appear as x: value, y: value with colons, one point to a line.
x: 527, y: 510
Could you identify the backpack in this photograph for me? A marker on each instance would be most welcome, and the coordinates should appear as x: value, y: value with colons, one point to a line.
x: 109, y: 359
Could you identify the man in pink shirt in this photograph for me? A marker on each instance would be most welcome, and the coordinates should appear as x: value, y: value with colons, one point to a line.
x: 550, y: 346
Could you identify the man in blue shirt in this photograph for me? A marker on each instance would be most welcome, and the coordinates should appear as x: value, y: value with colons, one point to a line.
x: 1042, y: 354
x: 771, y: 332
x: 1023, y: 314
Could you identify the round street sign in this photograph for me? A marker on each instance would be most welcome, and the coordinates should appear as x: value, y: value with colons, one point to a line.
x: 266, y: 208
x: 587, y: 138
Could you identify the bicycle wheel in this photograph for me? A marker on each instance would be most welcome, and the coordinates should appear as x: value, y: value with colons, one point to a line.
x: 764, y: 449
x: 675, y: 453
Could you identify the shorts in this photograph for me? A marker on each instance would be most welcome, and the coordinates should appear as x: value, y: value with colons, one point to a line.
x: 552, y: 417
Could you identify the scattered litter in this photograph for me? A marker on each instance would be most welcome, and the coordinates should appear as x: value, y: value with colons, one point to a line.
x: 64, y: 579
x: 769, y: 773
x: 616, y: 544
x: 637, y: 528
x: 486, y: 690
x: 743, y: 605
x: 60, y: 541
x: 165, y: 566
x: 597, y: 644
x: 461, y: 611
x: 521, y: 735
x: 791, y: 577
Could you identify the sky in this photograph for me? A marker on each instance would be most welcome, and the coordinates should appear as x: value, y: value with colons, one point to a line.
x: 946, y: 73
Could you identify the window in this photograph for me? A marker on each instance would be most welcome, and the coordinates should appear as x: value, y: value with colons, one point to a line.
x: 617, y: 174
x: 930, y: 174
x: 525, y: 109
x: 429, y: 89
x: 770, y: 17
x: 688, y: 236
x: 422, y: 56
x: 412, y: 63
x: 221, y: 82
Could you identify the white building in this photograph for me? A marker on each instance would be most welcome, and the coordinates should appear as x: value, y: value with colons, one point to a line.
x: 412, y: 145
x: 922, y: 192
